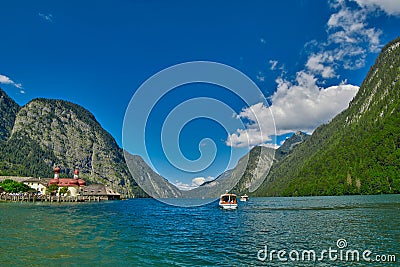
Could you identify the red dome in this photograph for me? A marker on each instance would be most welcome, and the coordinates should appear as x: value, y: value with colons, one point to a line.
x: 76, y: 172
x: 57, y: 169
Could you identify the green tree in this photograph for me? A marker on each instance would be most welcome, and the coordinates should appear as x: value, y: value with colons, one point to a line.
x: 52, y: 188
x: 12, y: 186
x: 63, y: 190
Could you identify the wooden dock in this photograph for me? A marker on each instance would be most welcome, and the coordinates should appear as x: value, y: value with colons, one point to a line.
x: 47, y: 198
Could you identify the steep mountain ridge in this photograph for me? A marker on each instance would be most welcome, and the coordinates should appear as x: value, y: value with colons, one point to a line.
x: 49, y: 132
x: 255, y: 165
x: 290, y: 144
x: 247, y: 175
x: 76, y: 139
x: 152, y: 183
x: 358, y: 152
x: 8, y: 112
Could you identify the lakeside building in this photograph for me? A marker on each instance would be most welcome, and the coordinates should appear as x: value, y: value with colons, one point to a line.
x: 76, y: 186
x: 99, y: 190
x: 73, y: 184
x: 38, y: 184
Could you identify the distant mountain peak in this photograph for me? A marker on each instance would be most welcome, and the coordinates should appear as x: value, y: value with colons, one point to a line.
x: 290, y: 143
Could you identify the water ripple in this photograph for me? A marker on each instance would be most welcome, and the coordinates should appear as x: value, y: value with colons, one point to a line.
x: 144, y: 232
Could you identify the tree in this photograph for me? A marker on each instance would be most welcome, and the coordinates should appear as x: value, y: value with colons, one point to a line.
x: 52, y: 188
x: 63, y: 190
x: 12, y: 186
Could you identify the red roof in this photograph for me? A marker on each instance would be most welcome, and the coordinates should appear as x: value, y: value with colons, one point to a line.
x: 68, y: 182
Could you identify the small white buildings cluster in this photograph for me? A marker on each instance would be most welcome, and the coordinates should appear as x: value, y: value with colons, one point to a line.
x: 75, y: 186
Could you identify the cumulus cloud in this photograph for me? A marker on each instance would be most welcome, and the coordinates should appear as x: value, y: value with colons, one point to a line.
x: 46, y: 17
x: 274, y: 146
x: 303, y: 105
x: 196, y: 182
x: 391, y: 7
x: 260, y: 125
x: 298, y: 105
x: 348, y: 42
x: 316, y: 62
x: 6, y: 80
x: 349, y: 27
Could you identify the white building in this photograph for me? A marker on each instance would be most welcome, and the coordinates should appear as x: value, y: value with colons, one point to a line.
x: 38, y: 184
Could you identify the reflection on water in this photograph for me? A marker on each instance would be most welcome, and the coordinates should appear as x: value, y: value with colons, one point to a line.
x: 143, y: 232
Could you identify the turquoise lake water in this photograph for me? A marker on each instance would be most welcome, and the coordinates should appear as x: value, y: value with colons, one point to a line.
x: 145, y: 232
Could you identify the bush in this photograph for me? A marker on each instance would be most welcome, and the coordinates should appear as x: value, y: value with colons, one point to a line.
x: 12, y: 186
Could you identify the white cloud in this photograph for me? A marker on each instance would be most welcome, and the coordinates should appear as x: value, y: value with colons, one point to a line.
x: 201, y: 180
x: 47, y: 17
x: 391, y: 7
x: 196, y: 182
x: 274, y: 146
x: 301, y: 105
x: 6, y: 80
x: 273, y: 63
x: 316, y: 62
x: 349, y: 27
x: 260, y: 125
x: 183, y: 186
x: 263, y: 41
x: 348, y: 42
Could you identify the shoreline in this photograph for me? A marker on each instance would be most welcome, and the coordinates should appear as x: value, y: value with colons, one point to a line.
x: 48, y: 198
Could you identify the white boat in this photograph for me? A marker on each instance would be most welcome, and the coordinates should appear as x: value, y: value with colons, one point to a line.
x: 228, y: 201
x: 244, y: 197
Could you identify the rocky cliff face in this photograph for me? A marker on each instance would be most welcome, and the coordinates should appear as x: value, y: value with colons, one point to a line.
x: 290, y: 144
x: 76, y: 139
x: 44, y: 133
x: 260, y: 161
x: 151, y: 182
x: 246, y: 177
x: 8, y: 112
x: 252, y: 169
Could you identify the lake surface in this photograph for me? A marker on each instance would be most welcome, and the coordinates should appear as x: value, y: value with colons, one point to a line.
x: 145, y: 232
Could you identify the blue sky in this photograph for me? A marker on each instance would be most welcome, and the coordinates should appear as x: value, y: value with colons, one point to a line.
x: 307, y: 57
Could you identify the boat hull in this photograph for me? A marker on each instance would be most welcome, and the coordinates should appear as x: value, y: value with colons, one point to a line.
x: 228, y: 206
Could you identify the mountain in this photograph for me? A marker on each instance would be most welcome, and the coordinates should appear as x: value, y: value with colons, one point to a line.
x: 244, y: 178
x: 251, y: 170
x: 290, y: 144
x: 358, y: 152
x: 260, y: 160
x: 8, y: 112
x: 45, y: 132
x: 151, y: 182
